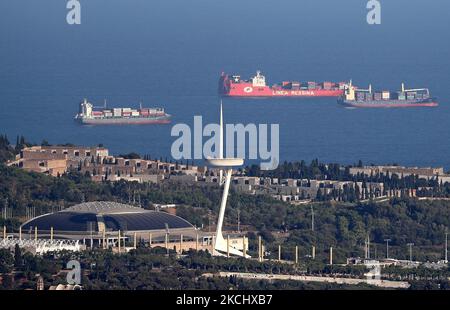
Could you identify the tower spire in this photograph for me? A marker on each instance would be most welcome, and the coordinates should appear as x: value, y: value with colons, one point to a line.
x: 226, y: 165
x: 221, y: 132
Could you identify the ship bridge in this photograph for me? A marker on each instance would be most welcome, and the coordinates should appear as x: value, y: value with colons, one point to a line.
x: 259, y: 80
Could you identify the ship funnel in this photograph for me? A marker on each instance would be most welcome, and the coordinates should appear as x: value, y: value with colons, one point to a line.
x: 370, y: 88
x: 403, y: 87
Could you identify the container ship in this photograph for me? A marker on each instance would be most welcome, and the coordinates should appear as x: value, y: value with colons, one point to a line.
x: 90, y: 115
x: 234, y: 86
x: 405, y: 98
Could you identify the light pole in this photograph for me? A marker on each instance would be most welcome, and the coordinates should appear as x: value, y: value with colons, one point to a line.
x: 387, y: 247
x: 209, y: 220
x: 238, y: 220
x: 446, y: 246
x: 312, y: 218
x: 410, y: 250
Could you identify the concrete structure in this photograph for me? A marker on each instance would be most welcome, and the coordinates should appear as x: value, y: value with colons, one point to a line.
x: 220, y: 245
x: 55, y: 160
x: 422, y: 172
x: 66, y: 287
x: 41, y: 246
x: 112, y: 225
x: 304, y: 278
x: 92, y: 222
x: 100, y: 165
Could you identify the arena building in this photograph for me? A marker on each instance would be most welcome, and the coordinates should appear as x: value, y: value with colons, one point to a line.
x: 102, y: 224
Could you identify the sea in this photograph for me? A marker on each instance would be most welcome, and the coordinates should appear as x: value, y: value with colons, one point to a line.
x: 170, y: 53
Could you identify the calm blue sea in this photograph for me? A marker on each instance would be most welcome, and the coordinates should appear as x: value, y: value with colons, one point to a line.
x: 170, y: 53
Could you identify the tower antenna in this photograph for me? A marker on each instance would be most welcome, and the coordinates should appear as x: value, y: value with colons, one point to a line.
x: 221, y: 142
x: 221, y: 132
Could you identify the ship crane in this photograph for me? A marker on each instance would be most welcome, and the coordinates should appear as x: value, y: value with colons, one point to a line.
x: 368, y: 90
x: 415, y: 89
x: 99, y: 107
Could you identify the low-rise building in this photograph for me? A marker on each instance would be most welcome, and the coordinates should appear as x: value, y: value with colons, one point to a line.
x: 422, y: 172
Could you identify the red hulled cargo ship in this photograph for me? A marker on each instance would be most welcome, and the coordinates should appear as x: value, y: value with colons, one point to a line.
x: 234, y: 86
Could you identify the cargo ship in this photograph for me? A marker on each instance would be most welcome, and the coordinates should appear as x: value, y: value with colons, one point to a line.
x: 234, y: 86
x: 405, y: 98
x: 90, y: 115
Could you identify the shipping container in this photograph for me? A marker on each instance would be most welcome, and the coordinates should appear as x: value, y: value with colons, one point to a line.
x: 312, y: 85
x: 327, y: 85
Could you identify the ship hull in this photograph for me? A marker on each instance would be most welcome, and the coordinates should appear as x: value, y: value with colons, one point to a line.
x: 228, y: 88
x: 389, y: 103
x: 123, y: 121
x: 269, y: 92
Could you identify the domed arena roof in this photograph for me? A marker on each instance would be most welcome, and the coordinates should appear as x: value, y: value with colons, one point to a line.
x: 90, y: 216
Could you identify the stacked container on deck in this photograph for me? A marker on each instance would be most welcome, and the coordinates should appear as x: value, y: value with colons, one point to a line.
x: 411, y: 95
x: 401, y: 95
x: 295, y: 85
x: 312, y: 85
x: 327, y: 85
x: 360, y: 96
x: 286, y: 84
x: 117, y: 112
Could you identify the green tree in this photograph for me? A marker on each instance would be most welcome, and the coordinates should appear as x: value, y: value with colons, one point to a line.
x: 17, y: 257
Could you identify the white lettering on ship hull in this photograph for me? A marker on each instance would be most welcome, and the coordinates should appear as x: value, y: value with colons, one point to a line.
x: 292, y: 93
